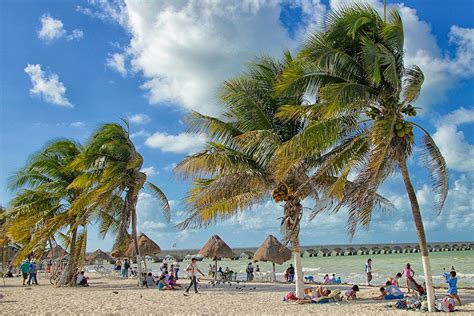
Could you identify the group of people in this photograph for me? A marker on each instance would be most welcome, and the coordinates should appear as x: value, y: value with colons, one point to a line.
x: 123, y: 268
x: 332, y: 280
x: 29, y: 271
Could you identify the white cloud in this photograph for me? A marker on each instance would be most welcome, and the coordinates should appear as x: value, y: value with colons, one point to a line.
x: 116, y: 61
x: 77, y: 124
x: 170, y: 167
x: 140, y: 133
x: 184, y: 143
x: 139, y: 119
x: 47, y: 86
x: 457, y: 151
x: 150, y: 171
x: 186, y: 49
x: 53, y: 29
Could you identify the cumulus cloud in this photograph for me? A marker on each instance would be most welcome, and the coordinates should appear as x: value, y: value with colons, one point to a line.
x: 77, y: 124
x: 140, y: 133
x: 47, y: 86
x: 116, y: 62
x: 457, y: 151
x: 184, y: 143
x: 150, y: 171
x: 139, y: 119
x: 186, y: 49
x: 53, y: 29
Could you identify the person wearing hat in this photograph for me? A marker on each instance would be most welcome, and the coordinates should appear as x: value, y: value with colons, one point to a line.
x: 33, y: 270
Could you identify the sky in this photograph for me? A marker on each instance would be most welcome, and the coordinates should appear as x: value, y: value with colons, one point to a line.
x: 67, y: 67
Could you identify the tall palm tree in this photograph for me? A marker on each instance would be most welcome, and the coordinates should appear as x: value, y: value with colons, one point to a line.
x: 41, y: 209
x: 112, y: 167
x: 355, y: 69
x: 237, y: 168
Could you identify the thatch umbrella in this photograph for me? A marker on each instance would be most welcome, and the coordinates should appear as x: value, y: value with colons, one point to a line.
x: 274, y: 251
x: 98, y: 255
x: 57, y: 252
x: 147, y: 248
x: 216, y: 248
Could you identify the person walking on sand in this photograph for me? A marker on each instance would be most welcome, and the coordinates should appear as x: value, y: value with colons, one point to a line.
x: 452, y: 281
x: 368, y: 270
x: 25, y: 268
x: 192, y: 270
x: 32, y: 271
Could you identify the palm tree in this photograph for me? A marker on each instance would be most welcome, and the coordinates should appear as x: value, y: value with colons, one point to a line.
x: 355, y: 70
x: 112, y: 167
x: 237, y: 169
x: 41, y: 209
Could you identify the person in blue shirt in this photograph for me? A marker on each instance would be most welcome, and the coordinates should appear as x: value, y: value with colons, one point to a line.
x: 32, y: 271
x: 452, y: 281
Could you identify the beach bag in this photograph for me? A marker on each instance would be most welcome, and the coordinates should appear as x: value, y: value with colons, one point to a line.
x: 447, y: 304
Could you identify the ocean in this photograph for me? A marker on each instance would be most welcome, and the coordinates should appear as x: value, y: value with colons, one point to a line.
x: 351, y: 268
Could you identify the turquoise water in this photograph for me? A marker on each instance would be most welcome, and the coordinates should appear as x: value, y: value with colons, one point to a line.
x: 351, y: 268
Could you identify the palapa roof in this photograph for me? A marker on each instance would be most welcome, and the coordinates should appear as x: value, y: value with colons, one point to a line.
x: 272, y: 250
x: 216, y: 248
x: 57, y: 252
x: 147, y: 247
x: 99, y: 255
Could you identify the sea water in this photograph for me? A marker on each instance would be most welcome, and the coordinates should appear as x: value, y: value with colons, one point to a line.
x: 351, y: 268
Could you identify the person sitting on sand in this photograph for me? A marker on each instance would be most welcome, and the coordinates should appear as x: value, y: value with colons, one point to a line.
x: 333, y: 278
x: 396, y: 280
x: 162, y: 284
x: 351, y: 293
x: 172, y: 281
x: 82, y: 279
x: 326, y: 279
x: 409, y: 274
x: 390, y: 292
x: 149, y: 280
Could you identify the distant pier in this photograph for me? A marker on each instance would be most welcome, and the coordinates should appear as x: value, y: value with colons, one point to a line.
x: 337, y: 250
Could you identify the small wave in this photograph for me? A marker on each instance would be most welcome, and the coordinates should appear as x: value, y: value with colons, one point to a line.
x: 311, y: 269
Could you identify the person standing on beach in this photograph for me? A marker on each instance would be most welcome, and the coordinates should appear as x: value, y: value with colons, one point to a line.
x: 368, y: 270
x: 249, y: 271
x: 25, y: 268
x: 126, y: 266
x: 32, y: 271
x: 175, y: 269
x: 192, y: 270
x: 291, y: 273
x: 409, y: 274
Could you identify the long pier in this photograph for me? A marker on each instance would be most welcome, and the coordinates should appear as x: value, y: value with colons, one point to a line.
x: 336, y: 250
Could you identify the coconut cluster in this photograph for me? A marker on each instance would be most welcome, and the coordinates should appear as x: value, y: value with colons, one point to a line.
x: 280, y: 193
x: 409, y: 110
x: 403, y: 129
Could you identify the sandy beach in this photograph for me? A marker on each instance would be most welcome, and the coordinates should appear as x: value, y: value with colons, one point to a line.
x: 120, y: 296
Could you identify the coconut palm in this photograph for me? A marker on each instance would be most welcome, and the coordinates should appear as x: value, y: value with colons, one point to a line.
x: 112, y: 167
x: 237, y: 169
x: 41, y: 209
x: 355, y: 70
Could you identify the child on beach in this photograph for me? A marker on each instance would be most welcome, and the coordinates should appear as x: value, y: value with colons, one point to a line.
x: 368, y: 270
x: 390, y: 292
x: 408, y: 273
x: 395, y: 281
x: 452, y: 281
x: 326, y: 279
x: 351, y: 293
x: 162, y: 284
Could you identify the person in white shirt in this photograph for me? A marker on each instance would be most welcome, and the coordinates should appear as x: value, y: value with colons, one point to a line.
x: 192, y: 271
x: 368, y: 270
x: 81, y: 279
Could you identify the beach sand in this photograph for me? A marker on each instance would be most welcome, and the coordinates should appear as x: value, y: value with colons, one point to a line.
x: 254, y: 298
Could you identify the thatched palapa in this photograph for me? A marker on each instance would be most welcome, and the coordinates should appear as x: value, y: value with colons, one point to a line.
x: 216, y: 248
x: 147, y: 247
x: 99, y: 255
x: 57, y: 252
x: 274, y: 251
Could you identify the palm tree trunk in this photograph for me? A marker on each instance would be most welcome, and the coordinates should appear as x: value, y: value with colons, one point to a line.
x: 421, y: 235
x: 133, y: 209
x: 293, y: 212
x: 299, y: 284
x: 68, y: 274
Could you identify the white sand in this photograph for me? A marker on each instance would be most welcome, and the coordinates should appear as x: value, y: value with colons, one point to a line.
x: 224, y: 300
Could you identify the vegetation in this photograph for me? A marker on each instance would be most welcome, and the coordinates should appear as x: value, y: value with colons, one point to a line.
x: 65, y: 186
x: 239, y: 167
x: 355, y: 70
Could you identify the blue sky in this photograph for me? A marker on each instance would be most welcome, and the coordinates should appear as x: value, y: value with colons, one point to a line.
x: 68, y: 67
